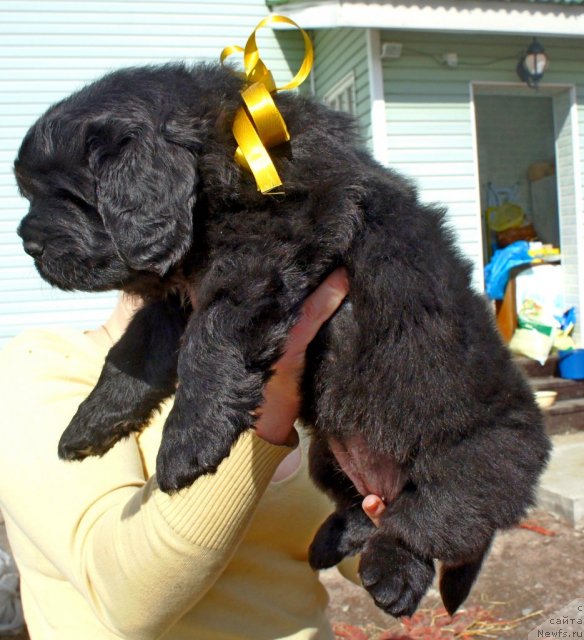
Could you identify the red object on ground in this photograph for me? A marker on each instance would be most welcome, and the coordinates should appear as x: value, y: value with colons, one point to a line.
x: 350, y: 632
x: 530, y: 526
x: 428, y: 624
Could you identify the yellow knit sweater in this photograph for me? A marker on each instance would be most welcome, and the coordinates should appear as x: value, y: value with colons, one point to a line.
x: 104, y: 554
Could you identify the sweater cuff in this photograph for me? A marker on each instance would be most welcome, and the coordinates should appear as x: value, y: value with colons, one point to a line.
x: 214, y: 511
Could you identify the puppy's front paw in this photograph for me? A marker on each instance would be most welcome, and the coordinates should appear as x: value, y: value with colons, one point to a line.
x: 188, y: 451
x: 179, y: 465
x: 396, y: 578
x: 94, y: 430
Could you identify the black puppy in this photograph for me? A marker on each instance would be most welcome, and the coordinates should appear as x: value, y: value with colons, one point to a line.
x: 133, y: 186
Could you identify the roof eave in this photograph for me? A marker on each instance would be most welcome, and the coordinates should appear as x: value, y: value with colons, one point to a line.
x: 459, y: 16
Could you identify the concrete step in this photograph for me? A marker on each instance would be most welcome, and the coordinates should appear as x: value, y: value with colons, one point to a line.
x: 565, y: 416
x: 533, y: 369
x: 561, y: 489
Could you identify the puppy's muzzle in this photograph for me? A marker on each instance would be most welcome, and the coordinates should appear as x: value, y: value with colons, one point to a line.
x: 32, y: 238
x: 34, y: 249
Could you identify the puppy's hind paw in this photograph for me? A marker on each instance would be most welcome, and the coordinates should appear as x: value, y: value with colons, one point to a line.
x: 325, y: 550
x: 342, y: 534
x: 396, y: 578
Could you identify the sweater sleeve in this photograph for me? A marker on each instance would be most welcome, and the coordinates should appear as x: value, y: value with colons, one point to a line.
x: 140, y: 558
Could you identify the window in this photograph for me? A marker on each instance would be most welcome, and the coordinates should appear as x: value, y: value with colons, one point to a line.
x: 342, y: 96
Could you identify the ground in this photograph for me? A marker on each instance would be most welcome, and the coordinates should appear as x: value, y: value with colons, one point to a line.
x: 530, y: 572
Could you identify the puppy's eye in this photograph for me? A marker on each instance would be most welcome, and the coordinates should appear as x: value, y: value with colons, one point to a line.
x: 79, y: 202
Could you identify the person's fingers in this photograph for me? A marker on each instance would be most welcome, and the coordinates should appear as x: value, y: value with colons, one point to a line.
x: 318, y: 307
x: 373, y: 506
x: 276, y: 415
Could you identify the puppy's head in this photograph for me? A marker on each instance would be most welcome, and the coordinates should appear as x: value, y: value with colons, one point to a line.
x: 111, y: 176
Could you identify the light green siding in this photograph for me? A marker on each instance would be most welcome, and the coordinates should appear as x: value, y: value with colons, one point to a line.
x: 49, y: 48
x: 430, y: 125
x: 429, y: 113
x: 337, y: 53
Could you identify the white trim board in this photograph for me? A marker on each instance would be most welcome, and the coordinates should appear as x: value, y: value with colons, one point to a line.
x: 471, y: 16
x: 377, y: 97
x: 579, y: 202
x: 478, y: 281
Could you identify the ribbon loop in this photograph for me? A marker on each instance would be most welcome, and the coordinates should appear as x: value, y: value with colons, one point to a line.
x: 265, y: 115
x: 259, y: 124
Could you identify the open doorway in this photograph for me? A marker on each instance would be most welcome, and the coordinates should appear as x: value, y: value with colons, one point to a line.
x: 517, y: 164
x: 527, y: 154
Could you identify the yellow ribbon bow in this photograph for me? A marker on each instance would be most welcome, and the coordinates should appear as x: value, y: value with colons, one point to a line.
x: 258, y: 125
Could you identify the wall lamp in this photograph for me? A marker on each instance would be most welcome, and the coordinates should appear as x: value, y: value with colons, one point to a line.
x: 532, y: 64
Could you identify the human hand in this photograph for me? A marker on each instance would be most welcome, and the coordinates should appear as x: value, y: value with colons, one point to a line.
x: 373, y: 506
x: 282, y: 398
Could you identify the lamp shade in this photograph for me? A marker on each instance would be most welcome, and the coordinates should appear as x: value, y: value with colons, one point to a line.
x: 533, y: 64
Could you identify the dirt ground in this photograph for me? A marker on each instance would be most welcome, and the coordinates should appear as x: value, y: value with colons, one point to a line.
x: 530, y: 572
x: 527, y: 575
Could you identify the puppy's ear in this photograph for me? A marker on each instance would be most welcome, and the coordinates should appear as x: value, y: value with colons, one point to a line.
x: 146, y: 190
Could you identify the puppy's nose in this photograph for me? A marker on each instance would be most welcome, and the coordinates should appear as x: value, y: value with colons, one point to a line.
x: 33, y: 248
x: 33, y: 236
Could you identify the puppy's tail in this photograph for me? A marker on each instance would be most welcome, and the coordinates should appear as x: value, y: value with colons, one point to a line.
x: 456, y: 581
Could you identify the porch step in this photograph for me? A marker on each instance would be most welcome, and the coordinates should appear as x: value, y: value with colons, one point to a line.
x: 561, y: 489
x: 533, y: 369
x: 565, y: 416
x: 566, y: 389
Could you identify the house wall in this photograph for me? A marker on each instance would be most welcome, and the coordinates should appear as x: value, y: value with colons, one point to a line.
x: 337, y: 52
x: 50, y: 48
x: 430, y: 127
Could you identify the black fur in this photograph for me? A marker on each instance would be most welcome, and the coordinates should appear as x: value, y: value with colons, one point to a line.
x: 133, y: 185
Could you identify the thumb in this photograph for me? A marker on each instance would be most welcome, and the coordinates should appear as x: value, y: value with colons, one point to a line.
x: 318, y: 307
x: 374, y: 507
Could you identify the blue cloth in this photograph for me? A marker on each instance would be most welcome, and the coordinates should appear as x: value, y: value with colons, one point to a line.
x: 498, y: 270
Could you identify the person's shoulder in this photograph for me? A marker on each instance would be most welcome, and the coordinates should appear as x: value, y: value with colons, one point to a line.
x: 50, y: 352
x: 57, y: 340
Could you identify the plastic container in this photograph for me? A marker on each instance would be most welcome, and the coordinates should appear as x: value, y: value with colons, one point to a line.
x: 571, y: 364
x: 545, y: 399
x: 505, y: 216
